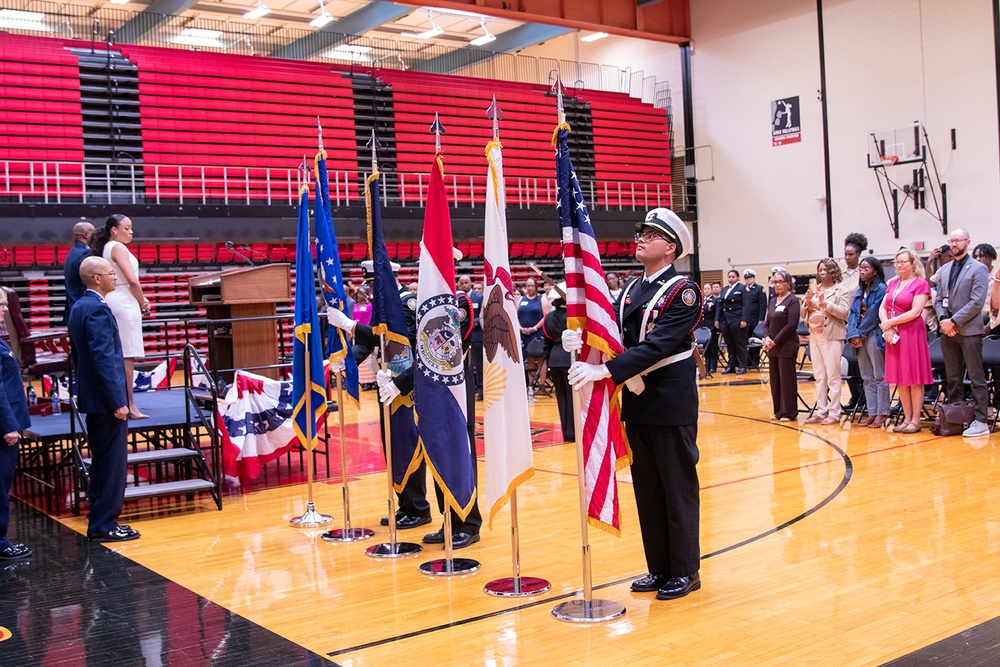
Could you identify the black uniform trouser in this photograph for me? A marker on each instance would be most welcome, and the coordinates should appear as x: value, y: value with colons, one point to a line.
x: 784, y: 386
x: 564, y: 401
x: 736, y: 343
x: 964, y: 354
x: 712, y: 351
x: 412, y: 500
x: 8, y: 462
x: 476, y: 352
x: 474, y: 521
x: 665, y: 481
x: 108, y: 439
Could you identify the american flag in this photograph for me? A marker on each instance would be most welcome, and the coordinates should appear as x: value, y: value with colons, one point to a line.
x: 589, y: 307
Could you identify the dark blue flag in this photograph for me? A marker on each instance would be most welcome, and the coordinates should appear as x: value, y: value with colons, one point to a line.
x: 306, y: 333
x: 338, y: 344
x: 389, y: 320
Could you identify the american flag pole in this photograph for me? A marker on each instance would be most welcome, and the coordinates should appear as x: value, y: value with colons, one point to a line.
x: 587, y: 610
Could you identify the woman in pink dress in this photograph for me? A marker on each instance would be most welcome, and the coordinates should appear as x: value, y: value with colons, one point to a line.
x: 907, y: 357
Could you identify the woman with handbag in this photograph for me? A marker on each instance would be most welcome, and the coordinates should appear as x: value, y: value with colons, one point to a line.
x: 825, y: 309
x: 907, y: 356
x: 865, y: 335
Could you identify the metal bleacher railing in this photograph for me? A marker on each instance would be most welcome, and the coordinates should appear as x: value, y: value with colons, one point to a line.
x: 247, y: 38
x: 64, y: 182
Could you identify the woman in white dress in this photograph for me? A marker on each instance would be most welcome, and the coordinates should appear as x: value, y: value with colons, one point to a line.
x: 126, y: 301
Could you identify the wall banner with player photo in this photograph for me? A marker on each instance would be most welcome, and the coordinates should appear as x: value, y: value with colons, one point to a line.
x: 785, y: 123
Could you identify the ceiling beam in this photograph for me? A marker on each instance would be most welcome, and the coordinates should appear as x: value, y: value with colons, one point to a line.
x: 154, y: 15
x: 662, y: 21
x: 515, y: 39
x: 357, y: 23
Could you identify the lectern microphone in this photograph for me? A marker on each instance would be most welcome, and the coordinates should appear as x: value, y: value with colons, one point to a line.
x: 231, y: 247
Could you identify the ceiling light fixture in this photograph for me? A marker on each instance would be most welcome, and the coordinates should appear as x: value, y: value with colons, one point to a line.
x: 427, y: 34
x: 257, y: 12
x: 323, y: 18
x: 19, y: 20
x: 484, y: 39
x: 594, y: 36
x: 119, y: 2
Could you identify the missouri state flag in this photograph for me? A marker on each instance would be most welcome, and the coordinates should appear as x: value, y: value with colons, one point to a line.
x: 389, y: 321
x: 506, y: 430
x: 589, y: 307
x: 308, y: 385
x: 439, y: 380
x: 338, y: 344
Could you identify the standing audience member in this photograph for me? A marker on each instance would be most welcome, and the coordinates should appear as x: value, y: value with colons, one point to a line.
x: 854, y: 245
x: 710, y: 303
x: 658, y: 358
x: 938, y: 258
x: 614, y: 286
x: 731, y: 321
x: 13, y: 419
x: 101, y: 380
x: 558, y: 360
x: 82, y: 232
x: 476, y: 337
x: 531, y: 310
x: 756, y: 311
x: 126, y: 300
x: 826, y: 309
x: 986, y: 255
x: 781, y: 343
x: 865, y: 335
x: 907, y: 357
x: 959, y: 307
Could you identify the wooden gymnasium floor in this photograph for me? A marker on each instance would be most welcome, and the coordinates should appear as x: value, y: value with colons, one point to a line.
x: 822, y: 546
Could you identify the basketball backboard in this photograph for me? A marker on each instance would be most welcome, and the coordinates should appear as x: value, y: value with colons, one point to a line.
x: 899, y: 145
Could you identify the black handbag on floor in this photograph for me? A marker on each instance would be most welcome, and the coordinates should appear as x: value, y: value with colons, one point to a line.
x: 953, y: 418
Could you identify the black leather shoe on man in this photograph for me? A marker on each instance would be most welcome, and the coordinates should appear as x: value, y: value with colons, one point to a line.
x: 678, y: 587
x: 434, y: 538
x: 462, y: 540
x: 384, y: 521
x: 116, y: 534
x: 14, y: 551
x: 406, y: 521
x: 649, y: 583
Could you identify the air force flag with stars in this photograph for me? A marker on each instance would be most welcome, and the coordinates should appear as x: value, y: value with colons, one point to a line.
x: 439, y: 380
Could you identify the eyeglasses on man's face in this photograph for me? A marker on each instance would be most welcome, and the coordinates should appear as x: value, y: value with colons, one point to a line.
x: 648, y: 236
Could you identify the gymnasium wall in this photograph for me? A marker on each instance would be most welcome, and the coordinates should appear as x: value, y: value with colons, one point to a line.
x: 889, y: 63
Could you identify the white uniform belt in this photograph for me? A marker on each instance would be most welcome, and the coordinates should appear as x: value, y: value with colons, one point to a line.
x: 636, y: 384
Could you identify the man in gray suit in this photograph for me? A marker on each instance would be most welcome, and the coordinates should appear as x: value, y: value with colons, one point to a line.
x: 959, y: 303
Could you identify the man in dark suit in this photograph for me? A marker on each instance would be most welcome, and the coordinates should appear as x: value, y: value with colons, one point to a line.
x: 959, y: 300
x: 709, y: 304
x: 731, y: 319
x: 659, y: 403
x: 82, y: 232
x: 13, y: 419
x: 100, y: 376
x: 756, y: 300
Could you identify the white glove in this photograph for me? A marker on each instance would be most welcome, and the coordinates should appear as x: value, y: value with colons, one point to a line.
x: 337, y: 367
x: 383, y: 378
x: 388, y: 392
x: 339, y: 319
x: 580, y: 373
x: 572, y: 340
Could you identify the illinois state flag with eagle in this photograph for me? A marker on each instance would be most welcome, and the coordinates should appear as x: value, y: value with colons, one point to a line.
x: 506, y: 430
x: 589, y: 307
x: 439, y: 381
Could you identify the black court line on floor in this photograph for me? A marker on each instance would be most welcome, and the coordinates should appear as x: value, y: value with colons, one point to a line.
x: 848, y: 471
x: 77, y: 602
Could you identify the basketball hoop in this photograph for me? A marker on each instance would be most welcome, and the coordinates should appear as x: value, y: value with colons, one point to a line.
x: 890, y: 160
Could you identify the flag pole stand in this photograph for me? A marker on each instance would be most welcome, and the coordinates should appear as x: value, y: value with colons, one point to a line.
x: 347, y: 533
x: 311, y: 518
x: 448, y: 566
x: 392, y: 548
x: 587, y: 610
x: 516, y: 586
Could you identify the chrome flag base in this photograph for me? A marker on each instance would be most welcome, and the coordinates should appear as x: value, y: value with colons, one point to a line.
x: 509, y: 587
x: 447, y: 567
x: 311, y: 518
x: 348, y: 534
x: 393, y: 550
x: 581, y: 611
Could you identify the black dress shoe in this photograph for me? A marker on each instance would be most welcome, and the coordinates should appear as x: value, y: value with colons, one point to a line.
x: 678, y: 587
x: 649, y: 583
x: 116, y: 534
x: 406, y: 521
x: 434, y: 538
x: 384, y: 521
x: 462, y: 540
x: 15, y: 551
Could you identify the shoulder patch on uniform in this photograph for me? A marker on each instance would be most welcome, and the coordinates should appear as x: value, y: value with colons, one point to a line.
x: 411, y: 303
x: 688, y: 297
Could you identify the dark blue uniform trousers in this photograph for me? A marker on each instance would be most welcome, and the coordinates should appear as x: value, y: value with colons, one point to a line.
x: 8, y: 461
x: 108, y: 470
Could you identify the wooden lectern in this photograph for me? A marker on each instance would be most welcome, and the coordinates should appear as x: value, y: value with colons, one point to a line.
x: 238, y: 293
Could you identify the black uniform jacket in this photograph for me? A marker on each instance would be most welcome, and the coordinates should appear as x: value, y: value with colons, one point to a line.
x: 733, y: 307
x: 671, y: 394
x: 756, y: 302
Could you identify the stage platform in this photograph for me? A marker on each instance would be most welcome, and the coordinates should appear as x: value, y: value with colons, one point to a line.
x: 165, y: 409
